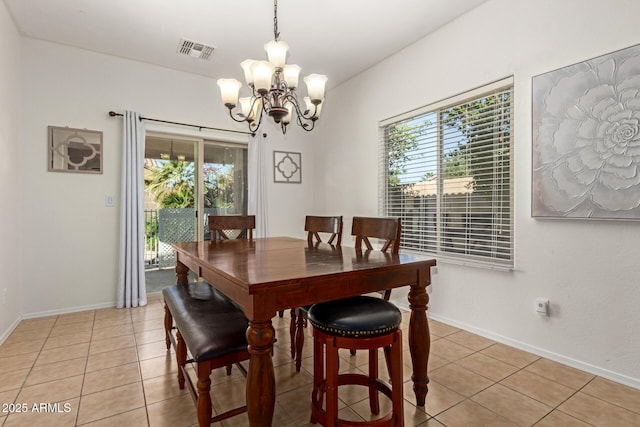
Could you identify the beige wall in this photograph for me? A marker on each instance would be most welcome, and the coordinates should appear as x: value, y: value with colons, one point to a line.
x: 588, y: 269
x: 10, y: 166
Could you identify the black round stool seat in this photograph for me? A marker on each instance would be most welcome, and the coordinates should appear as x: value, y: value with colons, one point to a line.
x: 360, y: 316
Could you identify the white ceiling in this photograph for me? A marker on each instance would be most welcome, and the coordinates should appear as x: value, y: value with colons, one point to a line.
x: 339, y: 38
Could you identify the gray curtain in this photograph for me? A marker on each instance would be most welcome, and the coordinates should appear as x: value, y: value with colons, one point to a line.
x: 131, y: 284
x: 257, y: 175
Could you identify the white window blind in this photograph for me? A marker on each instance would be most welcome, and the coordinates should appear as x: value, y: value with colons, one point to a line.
x: 446, y: 171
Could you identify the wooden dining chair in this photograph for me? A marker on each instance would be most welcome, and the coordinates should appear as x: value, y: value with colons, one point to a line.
x: 331, y: 225
x: 388, y: 230
x: 313, y: 225
x: 223, y: 227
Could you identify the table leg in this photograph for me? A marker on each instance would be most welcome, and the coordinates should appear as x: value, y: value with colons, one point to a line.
x: 261, y: 384
x: 419, y: 336
x: 181, y: 274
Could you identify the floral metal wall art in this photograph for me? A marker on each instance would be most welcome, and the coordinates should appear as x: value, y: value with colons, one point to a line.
x: 586, y: 139
x: 287, y: 167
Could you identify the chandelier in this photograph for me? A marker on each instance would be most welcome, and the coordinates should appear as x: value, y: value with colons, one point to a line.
x: 273, y: 84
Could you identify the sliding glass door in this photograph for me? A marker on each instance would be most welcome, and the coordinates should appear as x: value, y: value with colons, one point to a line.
x: 187, y: 179
x: 224, y: 175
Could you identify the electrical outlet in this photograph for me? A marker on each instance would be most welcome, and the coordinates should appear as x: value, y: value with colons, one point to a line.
x: 542, y: 306
x: 4, y: 296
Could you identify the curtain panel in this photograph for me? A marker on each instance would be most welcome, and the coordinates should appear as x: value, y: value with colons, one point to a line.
x: 258, y: 183
x: 131, y: 280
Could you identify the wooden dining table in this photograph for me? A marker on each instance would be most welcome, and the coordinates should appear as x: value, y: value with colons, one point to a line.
x: 266, y: 275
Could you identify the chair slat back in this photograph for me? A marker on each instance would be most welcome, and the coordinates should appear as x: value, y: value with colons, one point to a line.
x: 221, y: 225
x: 314, y: 225
x: 387, y: 229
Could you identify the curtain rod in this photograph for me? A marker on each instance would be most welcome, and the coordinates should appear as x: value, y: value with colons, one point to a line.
x: 114, y: 114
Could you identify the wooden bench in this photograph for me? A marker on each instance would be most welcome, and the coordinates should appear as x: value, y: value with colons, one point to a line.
x: 211, y: 328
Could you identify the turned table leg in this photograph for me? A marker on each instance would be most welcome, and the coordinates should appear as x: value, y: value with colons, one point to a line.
x: 181, y: 274
x: 419, y: 337
x: 261, y: 385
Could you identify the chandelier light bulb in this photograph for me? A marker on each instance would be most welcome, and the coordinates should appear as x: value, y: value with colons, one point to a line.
x: 256, y: 110
x: 246, y: 67
x: 262, y: 75
x: 313, y: 110
x: 229, y: 89
x: 277, y: 53
x: 291, y: 75
x: 315, y: 86
x: 245, y: 106
x: 287, y: 118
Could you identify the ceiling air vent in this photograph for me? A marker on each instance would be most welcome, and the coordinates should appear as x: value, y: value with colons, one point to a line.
x: 195, y: 49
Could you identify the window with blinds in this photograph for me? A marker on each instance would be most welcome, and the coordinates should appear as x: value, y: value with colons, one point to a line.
x: 446, y: 171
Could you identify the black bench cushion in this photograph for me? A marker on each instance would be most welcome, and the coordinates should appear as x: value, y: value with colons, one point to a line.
x: 355, y: 317
x: 211, y: 324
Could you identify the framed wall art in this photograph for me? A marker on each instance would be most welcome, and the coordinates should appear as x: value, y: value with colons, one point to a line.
x: 287, y: 167
x: 586, y: 139
x: 74, y: 150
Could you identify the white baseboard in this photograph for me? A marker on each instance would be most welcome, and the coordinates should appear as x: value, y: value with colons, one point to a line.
x: 574, y: 363
x: 68, y: 310
x: 10, y: 329
x: 154, y: 296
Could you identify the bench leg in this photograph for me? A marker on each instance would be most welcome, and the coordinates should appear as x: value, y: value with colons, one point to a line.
x: 168, y: 324
x: 181, y: 358
x: 204, y: 399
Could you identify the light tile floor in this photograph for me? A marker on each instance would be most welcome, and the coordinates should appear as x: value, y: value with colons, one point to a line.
x: 110, y: 367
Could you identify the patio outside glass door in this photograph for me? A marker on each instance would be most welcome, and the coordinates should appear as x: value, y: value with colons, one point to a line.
x: 224, y: 181
x: 171, y: 202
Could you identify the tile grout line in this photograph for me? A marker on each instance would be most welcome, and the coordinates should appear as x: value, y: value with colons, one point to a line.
x: 469, y: 398
x: 31, y: 367
x: 144, y: 394
x: 139, y: 372
x: 84, y: 374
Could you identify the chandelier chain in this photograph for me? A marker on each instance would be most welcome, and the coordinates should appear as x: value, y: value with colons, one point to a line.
x: 276, y: 34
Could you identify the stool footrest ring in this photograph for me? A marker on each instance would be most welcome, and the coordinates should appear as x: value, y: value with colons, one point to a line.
x: 351, y: 379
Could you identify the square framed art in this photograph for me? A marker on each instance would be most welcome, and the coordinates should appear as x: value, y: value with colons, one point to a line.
x: 586, y: 139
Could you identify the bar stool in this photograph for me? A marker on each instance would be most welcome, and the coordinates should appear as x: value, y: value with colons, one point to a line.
x: 358, y: 323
